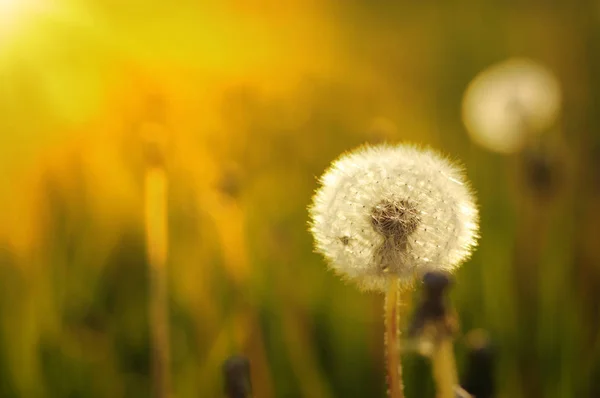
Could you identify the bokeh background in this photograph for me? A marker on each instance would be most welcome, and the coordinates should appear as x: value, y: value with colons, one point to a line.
x: 254, y: 99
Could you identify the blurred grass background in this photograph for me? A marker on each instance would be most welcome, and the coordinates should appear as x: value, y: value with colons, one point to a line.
x: 257, y: 98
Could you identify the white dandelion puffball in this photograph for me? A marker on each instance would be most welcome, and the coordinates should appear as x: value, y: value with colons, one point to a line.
x: 509, y: 103
x: 386, y: 211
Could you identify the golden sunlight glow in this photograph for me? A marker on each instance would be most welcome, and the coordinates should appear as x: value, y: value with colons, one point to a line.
x: 11, y: 12
x: 6, y: 6
x: 17, y: 16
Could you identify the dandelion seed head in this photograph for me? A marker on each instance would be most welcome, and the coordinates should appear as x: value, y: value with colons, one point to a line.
x: 508, y: 103
x: 397, y: 211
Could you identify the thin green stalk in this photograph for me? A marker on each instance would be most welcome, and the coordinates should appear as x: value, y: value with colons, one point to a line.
x: 155, y: 198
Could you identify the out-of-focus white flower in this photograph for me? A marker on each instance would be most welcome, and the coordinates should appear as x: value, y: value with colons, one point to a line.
x: 509, y: 103
x: 386, y: 211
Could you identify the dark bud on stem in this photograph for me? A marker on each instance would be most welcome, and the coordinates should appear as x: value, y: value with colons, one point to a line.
x: 236, y: 375
x: 230, y: 183
x: 436, y: 284
x: 433, y: 310
x: 541, y: 171
x: 154, y: 154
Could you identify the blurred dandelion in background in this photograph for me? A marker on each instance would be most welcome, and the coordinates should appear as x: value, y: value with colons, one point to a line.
x: 509, y: 104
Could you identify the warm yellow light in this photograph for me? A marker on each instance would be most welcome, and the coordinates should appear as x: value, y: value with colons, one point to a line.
x: 15, y: 14
x: 11, y: 12
x: 7, y: 5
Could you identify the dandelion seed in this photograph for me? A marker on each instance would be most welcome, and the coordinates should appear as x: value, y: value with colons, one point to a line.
x: 510, y: 103
x: 422, y: 218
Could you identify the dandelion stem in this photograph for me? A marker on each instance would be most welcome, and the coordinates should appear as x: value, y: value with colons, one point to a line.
x: 155, y: 197
x: 444, y: 368
x: 392, y: 336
